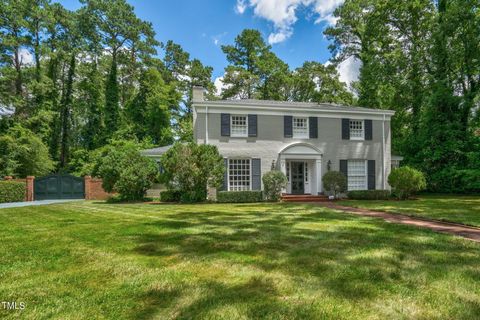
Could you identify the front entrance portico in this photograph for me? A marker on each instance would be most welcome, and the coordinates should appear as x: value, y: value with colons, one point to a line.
x: 302, y: 164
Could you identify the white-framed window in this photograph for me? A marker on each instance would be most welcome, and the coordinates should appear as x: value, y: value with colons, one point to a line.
x: 357, y: 175
x: 300, y: 127
x: 239, y: 174
x: 238, y: 126
x: 357, y: 130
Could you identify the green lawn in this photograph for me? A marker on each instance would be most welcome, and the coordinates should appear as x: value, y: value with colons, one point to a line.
x: 461, y: 209
x: 85, y: 260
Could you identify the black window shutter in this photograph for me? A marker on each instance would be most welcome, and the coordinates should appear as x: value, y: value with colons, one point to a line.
x: 256, y: 174
x: 287, y: 126
x: 344, y: 168
x: 225, y: 125
x: 225, y: 175
x: 345, y: 129
x: 371, y: 175
x: 368, y: 130
x: 313, y: 127
x: 252, y: 125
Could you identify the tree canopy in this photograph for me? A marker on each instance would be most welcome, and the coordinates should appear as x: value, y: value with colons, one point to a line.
x: 78, y: 80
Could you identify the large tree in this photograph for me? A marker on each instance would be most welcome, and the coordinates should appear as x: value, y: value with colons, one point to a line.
x: 316, y: 82
x: 122, y: 34
x: 254, y: 71
x: 149, y: 111
x: 420, y: 58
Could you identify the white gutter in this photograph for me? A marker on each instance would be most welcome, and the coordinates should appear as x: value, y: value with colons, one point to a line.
x: 383, y: 152
x: 206, y: 125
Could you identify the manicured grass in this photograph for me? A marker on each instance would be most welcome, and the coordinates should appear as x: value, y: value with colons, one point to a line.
x: 460, y: 209
x: 87, y: 260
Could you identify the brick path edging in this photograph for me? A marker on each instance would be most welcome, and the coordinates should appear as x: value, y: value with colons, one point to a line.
x: 470, y: 233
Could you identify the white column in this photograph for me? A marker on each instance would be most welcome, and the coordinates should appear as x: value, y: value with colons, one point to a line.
x: 318, y: 170
x: 283, y: 168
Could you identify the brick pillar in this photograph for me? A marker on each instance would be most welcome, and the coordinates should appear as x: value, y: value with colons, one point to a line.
x: 88, y: 187
x: 30, y: 192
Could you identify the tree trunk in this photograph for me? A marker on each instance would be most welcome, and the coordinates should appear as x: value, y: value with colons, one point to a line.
x: 66, y: 115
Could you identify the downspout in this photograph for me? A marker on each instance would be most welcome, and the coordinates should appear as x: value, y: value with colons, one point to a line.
x: 206, y: 125
x: 383, y: 152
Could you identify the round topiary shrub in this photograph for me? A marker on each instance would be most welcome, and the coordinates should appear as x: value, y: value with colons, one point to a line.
x: 406, y: 181
x: 334, y: 182
x: 273, y: 183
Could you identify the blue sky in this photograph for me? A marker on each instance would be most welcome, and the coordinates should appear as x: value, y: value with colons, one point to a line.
x: 294, y: 28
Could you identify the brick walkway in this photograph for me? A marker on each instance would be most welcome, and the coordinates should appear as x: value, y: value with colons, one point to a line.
x: 470, y: 233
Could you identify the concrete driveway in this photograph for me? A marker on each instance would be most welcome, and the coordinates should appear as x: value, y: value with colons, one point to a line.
x: 33, y: 203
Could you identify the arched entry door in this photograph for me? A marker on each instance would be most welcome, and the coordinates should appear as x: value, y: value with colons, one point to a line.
x: 302, y: 164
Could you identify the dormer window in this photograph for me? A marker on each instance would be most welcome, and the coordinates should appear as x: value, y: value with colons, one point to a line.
x: 300, y: 127
x: 357, y: 131
x: 239, y: 126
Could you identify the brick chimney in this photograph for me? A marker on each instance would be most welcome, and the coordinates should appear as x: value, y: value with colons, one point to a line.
x: 197, y: 94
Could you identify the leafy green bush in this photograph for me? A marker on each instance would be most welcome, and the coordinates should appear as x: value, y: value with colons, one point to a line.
x: 124, y: 170
x: 239, y: 196
x: 170, y: 196
x: 193, y: 196
x: 405, y: 181
x: 335, y: 182
x: 191, y: 168
x: 455, y: 180
x: 273, y: 183
x: 369, y: 194
x: 22, y: 153
x: 12, y: 191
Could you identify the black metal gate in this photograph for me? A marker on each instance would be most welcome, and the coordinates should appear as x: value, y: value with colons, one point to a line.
x: 59, y: 186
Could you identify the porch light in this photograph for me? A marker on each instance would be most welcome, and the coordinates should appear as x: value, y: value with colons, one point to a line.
x: 329, y: 165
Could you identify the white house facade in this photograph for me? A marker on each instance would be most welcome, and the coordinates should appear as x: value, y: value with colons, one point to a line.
x: 303, y: 140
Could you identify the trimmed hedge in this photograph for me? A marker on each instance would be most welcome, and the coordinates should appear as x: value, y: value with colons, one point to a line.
x: 12, y: 191
x: 369, y: 194
x: 193, y: 196
x: 239, y: 196
x: 170, y: 196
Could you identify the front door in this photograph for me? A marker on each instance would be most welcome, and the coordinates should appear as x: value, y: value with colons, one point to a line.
x: 298, y: 185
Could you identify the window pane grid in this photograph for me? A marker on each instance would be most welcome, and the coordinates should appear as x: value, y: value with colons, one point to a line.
x: 357, y: 175
x: 300, y: 127
x: 239, y: 125
x: 238, y: 174
x: 356, y: 129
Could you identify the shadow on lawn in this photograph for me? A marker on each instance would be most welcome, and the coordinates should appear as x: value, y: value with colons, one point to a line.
x: 350, y: 260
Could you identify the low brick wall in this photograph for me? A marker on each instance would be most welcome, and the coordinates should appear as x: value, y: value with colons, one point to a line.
x: 94, y: 189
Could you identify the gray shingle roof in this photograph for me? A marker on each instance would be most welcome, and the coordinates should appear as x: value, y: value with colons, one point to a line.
x: 158, y: 151
x: 289, y: 104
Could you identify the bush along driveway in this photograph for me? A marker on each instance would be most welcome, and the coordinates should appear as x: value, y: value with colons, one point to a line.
x: 90, y: 260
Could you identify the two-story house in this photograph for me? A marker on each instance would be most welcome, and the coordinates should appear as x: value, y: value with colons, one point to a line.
x: 303, y: 140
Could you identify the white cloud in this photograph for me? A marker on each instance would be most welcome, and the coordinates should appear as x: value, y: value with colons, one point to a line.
x: 219, y: 86
x: 282, y: 13
x: 280, y: 36
x: 325, y: 8
x: 241, y: 6
x: 349, y: 70
x: 218, y: 37
x: 26, y: 58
